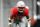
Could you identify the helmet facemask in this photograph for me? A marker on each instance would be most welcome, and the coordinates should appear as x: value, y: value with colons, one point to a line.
x: 21, y: 9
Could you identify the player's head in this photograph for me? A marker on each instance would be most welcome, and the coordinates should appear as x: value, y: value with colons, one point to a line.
x: 21, y: 6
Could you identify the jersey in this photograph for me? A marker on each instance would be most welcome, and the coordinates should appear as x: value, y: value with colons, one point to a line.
x: 15, y: 14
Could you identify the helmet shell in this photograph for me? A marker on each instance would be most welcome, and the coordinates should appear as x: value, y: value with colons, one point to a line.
x: 21, y: 4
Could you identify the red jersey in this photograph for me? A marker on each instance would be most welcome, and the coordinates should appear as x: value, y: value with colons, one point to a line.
x: 14, y: 12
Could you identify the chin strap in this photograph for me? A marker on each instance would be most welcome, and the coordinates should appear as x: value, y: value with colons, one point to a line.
x: 20, y: 14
